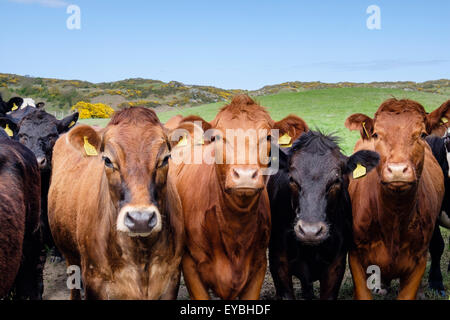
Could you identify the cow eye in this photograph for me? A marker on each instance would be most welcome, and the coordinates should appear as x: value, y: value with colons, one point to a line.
x: 216, y: 138
x: 108, y: 162
x: 423, y: 135
x: 375, y: 135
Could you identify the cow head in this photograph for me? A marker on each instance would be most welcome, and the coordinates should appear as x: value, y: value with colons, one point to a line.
x: 134, y: 152
x: 318, y: 180
x: 239, y: 140
x: 398, y: 133
x: 38, y: 131
x: 13, y: 103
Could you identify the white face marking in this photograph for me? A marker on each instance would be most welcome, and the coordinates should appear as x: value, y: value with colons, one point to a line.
x: 28, y: 102
x: 123, y: 228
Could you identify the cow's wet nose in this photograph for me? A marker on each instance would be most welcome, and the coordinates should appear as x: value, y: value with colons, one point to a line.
x: 142, y: 221
x: 42, y: 162
x: 398, y: 172
x: 311, y: 232
x: 245, y: 177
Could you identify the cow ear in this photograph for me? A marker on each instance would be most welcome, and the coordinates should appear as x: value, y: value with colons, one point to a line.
x: 85, y: 139
x: 68, y: 122
x: 40, y: 105
x: 173, y: 122
x: 361, y: 122
x: 291, y: 128
x: 198, y: 121
x: 14, y: 103
x: 438, y: 117
x: 363, y: 161
x: 9, y: 126
x: 187, y: 133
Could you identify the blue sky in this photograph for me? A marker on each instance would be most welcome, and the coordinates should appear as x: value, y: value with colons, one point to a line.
x: 242, y: 44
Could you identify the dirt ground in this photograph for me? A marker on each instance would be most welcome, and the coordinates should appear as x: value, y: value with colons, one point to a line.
x: 55, y: 278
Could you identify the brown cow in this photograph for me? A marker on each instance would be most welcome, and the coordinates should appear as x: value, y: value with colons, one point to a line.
x: 395, y: 207
x: 116, y: 214
x: 226, y: 206
x: 444, y: 123
x: 21, y: 249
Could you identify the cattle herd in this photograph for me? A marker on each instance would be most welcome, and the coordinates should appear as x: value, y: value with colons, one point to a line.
x: 116, y: 202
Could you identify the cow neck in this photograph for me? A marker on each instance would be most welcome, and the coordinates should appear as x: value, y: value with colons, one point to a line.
x: 232, y: 221
x: 395, y: 214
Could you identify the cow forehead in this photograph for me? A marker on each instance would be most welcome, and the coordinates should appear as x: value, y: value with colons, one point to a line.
x: 309, y: 164
x: 136, y: 141
x: 397, y: 121
x: 243, y: 121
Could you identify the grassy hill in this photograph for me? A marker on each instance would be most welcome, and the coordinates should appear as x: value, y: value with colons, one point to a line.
x: 325, y: 109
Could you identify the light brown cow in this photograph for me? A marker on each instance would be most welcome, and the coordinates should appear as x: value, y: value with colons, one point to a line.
x: 395, y: 207
x: 226, y: 206
x: 116, y: 214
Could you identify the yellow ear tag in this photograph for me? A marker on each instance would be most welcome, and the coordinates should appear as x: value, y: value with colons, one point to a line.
x: 285, y: 141
x: 89, y: 148
x: 359, y: 172
x: 182, y: 142
x: 8, y: 131
x: 444, y: 120
x: 71, y: 124
x: 15, y: 107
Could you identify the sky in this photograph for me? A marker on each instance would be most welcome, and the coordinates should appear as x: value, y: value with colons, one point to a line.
x: 242, y: 44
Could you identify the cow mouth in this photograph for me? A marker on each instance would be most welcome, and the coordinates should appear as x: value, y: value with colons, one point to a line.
x: 244, y: 192
x: 399, y: 186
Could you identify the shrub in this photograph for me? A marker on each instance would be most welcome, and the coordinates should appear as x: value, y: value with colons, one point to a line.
x: 93, y: 110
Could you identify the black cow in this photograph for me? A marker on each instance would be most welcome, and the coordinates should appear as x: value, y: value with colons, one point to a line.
x: 6, y: 107
x: 312, y: 214
x: 39, y: 130
x: 440, y: 148
x: 22, y: 256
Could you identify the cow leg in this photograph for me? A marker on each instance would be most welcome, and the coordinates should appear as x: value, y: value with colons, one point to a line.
x: 282, y: 278
x: 75, y: 294
x: 359, y: 278
x: 194, y: 284
x: 305, y: 279
x: 436, y: 249
x: 331, y: 280
x: 253, y: 288
x: 172, y: 289
x: 409, y: 285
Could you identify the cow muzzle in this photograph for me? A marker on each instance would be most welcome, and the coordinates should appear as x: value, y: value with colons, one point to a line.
x: 311, y: 232
x: 139, y: 221
x: 398, y: 175
x: 245, y: 182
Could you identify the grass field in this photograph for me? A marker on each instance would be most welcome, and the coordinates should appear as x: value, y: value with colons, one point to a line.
x: 327, y: 110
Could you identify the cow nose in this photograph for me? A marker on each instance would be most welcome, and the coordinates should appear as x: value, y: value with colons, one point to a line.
x: 245, y: 177
x: 399, y: 172
x: 311, y: 232
x: 42, y: 162
x: 141, y: 221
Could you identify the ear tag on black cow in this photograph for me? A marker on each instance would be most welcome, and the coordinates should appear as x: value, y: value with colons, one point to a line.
x: 285, y: 141
x: 182, y: 142
x: 359, y: 172
x: 89, y: 148
x: 444, y: 120
x: 15, y: 107
x: 8, y: 131
x: 71, y: 124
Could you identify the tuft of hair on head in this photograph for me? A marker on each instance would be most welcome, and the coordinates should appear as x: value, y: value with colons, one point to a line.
x: 396, y: 106
x: 134, y: 115
x: 315, y: 142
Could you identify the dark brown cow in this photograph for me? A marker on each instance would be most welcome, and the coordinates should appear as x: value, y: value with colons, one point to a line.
x: 444, y: 122
x: 116, y: 214
x: 21, y: 250
x: 226, y: 206
x: 395, y: 208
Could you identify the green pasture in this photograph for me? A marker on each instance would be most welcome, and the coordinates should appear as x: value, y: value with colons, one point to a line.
x: 325, y: 109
